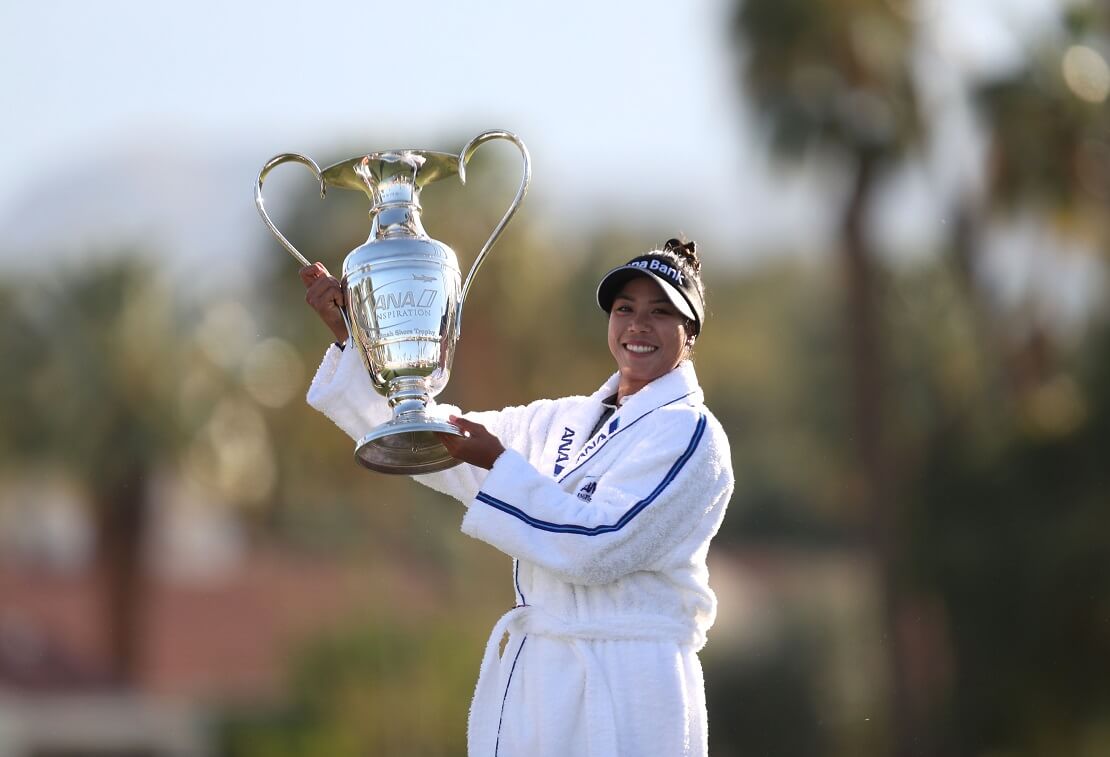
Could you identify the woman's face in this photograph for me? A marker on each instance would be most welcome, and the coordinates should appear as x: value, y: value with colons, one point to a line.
x: 647, y: 335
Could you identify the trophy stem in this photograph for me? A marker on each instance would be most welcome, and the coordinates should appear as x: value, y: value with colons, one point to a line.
x: 408, y: 396
x: 408, y: 442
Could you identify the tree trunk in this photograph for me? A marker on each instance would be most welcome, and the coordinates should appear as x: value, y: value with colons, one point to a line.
x: 879, y: 507
x: 121, y: 522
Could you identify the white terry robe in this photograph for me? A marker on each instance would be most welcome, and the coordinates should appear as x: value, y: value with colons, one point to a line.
x: 609, y: 536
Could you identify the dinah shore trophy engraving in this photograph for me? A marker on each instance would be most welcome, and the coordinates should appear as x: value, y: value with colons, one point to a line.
x: 404, y: 297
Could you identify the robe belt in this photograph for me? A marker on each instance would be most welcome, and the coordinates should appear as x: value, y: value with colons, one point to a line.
x: 532, y: 621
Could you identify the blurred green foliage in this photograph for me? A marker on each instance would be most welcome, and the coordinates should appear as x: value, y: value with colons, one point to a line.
x: 1005, y: 504
x: 1015, y: 542
x: 392, y: 687
x: 990, y: 597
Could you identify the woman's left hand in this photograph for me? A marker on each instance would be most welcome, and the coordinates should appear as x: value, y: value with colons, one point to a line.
x: 477, y: 446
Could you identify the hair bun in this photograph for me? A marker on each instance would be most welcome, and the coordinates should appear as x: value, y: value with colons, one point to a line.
x: 688, y: 251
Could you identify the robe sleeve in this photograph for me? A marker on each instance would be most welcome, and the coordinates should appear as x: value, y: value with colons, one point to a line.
x: 342, y: 391
x: 626, y: 519
x: 519, y: 429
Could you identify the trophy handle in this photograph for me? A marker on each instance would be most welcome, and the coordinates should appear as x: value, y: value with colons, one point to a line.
x: 274, y: 162
x: 464, y: 157
x: 271, y: 164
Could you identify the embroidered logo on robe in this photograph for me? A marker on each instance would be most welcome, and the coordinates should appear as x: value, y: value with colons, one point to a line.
x: 586, y: 493
x: 564, y: 449
x: 597, y: 441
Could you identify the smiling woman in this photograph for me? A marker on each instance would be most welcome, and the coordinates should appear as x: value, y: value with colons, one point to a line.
x: 656, y: 303
x: 647, y: 335
x: 607, y: 505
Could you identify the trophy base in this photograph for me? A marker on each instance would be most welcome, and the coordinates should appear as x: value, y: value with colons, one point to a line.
x: 406, y: 447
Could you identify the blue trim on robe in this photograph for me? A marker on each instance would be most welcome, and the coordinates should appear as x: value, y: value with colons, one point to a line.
x: 572, y: 528
x: 504, y: 699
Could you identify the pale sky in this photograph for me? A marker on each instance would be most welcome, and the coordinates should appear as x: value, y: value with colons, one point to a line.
x: 629, y: 107
x: 630, y: 99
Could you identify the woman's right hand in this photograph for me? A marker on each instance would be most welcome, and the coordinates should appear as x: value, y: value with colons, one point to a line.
x: 325, y: 295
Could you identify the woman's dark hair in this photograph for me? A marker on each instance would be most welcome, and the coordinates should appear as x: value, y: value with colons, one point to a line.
x: 687, y: 252
x: 685, y: 255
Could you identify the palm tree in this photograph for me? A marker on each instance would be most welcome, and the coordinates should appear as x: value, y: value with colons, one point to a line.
x: 1047, y: 124
x: 89, y: 388
x: 833, y: 79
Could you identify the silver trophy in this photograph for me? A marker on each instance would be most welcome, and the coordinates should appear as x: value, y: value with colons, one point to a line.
x: 404, y: 298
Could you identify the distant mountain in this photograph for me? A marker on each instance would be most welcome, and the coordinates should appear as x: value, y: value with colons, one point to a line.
x: 190, y: 203
x: 190, y: 206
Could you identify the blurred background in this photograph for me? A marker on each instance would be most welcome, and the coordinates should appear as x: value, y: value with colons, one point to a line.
x: 902, y: 210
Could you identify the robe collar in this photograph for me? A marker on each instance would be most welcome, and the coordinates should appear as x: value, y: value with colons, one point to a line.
x: 680, y: 383
x: 574, y: 447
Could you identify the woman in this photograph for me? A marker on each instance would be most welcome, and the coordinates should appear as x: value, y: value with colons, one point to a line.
x: 606, y: 504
